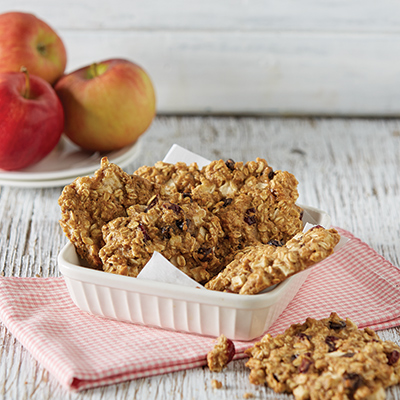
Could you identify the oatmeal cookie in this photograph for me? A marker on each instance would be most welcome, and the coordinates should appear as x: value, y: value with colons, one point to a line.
x: 90, y: 202
x: 221, y: 355
x: 254, y: 203
x: 182, y: 231
x: 326, y: 359
x: 259, y: 267
x: 178, y: 177
x: 249, y: 204
x: 225, y: 179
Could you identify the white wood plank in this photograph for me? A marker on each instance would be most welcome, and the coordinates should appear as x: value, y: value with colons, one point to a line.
x: 249, y: 57
x: 258, y: 72
x: 216, y: 15
x: 348, y: 167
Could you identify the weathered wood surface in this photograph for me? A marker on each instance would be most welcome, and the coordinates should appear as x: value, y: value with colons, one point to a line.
x: 347, y: 167
x: 255, y: 57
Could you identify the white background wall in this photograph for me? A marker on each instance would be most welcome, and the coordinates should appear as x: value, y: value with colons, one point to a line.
x: 321, y: 57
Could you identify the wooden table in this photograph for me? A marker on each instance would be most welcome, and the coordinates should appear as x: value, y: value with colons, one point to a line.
x: 347, y: 167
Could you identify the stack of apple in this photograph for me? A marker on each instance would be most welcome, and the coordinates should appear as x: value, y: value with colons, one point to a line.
x: 101, y: 107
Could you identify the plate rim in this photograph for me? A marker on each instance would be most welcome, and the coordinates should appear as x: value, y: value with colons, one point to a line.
x: 12, y: 176
x: 123, y: 161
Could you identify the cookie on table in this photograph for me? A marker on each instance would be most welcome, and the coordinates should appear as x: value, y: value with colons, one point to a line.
x: 326, y: 359
x: 257, y: 268
x: 221, y: 354
x: 90, y: 202
x: 178, y: 228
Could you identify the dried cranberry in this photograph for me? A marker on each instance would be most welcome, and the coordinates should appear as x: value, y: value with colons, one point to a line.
x: 271, y: 174
x: 146, y: 236
x: 230, y: 350
x: 393, y: 357
x: 227, y: 201
x: 337, y: 325
x: 186, y: 194
x: 250, y: 211
x: 205, y: 254
x: 274, y: 193
x: 230, y: 164
x: 330, y: 341
x: 352, y: 381
x: 166, y: 232
x: 276, y: 243
x: 302, y: 336
x: 180, y: 223
x: 250, y: 219
x: 316, y: 227
x: 305, y: 365
x: 174, y: 207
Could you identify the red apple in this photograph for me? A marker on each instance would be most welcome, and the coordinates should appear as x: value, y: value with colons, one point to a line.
x: 107, y: 105
x: 32, y: 119
x: 27, y: 41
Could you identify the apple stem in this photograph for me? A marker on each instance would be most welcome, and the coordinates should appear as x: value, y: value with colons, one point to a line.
x: 27, y: 83
x: 93, y: 70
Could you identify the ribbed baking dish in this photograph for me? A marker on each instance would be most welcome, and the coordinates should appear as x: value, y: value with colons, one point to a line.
x: 176, y: 307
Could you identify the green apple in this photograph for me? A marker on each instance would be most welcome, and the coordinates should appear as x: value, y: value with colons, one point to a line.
x: 27, y: 41
x: 107, y: 105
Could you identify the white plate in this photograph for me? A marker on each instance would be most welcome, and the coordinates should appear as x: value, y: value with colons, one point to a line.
x: 65, y: 163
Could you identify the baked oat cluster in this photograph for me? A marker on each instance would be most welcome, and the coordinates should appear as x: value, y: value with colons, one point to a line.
x: 326, y: 359
x: 257, y: 268
x: 179, y: 229
x: 88, y: 204
x: 232, y: 226
x: 221, y: 354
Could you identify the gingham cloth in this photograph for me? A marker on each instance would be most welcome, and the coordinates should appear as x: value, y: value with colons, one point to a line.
x: 84, y: 351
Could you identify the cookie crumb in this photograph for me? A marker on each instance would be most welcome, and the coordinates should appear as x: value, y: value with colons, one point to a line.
x: 222, y: 353
x: 248, y: 395
x: 216, y: 384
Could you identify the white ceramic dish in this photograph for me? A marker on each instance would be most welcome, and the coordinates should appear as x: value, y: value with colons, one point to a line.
x: 180, y: 308
x: 65, y: 163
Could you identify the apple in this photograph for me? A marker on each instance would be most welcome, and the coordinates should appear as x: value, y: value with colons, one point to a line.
x: 107, y: 105
x: 32, y: 119
x: 27, y: 41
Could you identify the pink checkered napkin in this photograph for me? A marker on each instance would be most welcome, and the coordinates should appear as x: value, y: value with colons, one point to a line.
x: 84, y: 351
